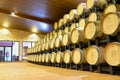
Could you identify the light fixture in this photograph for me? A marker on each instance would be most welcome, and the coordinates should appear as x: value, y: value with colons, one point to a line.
x: 13, y: 13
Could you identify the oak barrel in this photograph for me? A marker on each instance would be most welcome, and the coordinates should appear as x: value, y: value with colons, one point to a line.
x: 66, y: 30
x: 92, y: 30
x: 60, y: 23
x: 66, y: 18
x: 73, y: 26
x: 47, y: 57
x: 112, y: 54
x: 78, y: 56
x: 52, y: 57
x: 66, y: 39
x: 58, y: 41
x: 40, y: 57
x: 81, y: 9
x: 77, y: 35
x: 43, y: 57
x: 92, y: 3
x: 59, y: 57
x: 55, y: 25
x: 52, y: 43
x: 67, y: 56
x: 95, y: 55
x: 110, y: 23
x: 73, y: 14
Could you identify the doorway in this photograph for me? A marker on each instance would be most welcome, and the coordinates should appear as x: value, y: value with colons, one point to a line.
x: 5, y: 54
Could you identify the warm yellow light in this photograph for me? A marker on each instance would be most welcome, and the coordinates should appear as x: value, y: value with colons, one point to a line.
x: 4, y: 31
x: 5, y: 24
x: 34, y: 29
x: 34, y: 37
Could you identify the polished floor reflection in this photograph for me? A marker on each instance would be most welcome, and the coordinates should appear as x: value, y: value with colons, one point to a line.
x: 28, y: 71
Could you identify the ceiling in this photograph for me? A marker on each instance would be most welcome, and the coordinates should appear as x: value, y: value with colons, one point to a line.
x: 34, y: 15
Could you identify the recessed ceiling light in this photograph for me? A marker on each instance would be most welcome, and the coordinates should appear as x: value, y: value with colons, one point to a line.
x: 13, y: 13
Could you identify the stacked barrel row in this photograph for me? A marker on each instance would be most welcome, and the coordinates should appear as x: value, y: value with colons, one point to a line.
x: 93, y: 55
x: 91, y: 21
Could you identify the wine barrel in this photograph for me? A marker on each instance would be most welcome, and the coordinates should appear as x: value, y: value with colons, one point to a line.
x: 92, y: 3
x: 37, y: 58
x: 52, y: 43
x: 66, y: 18
x: 59, y: 57
x: 78, y: 56
x: 77, y: 36
x: 66, y: 39
x: 94, y: 16
x: 40, y: 57
x: 95, y: 55
x: 60, y: 32
x: 43, y: 46
x: 55, y: 25
x: 81, y: 9
x: 43, y: 57
x: 92, y: 30
x: 51, y: 36
x: 31, y: 57
x: 39, y: 48
x: 52, y: 57
x: 47, y: 57
x: 58, y: 41
x: 73, y: 14
x: 60, y: 23
x: 73, y: 26
x: 66, y: 30
x: 34, y: 58
x: 81, y: 23
x: 47, y: 45
x: 67, y: 56
x: 112, y: 8
x: 110, y: 23
x: 55, y: 35
x: 112, y: 54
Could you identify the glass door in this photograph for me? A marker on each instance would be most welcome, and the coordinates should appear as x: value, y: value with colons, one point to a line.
x: 1, y: 54
x: 8, y: 52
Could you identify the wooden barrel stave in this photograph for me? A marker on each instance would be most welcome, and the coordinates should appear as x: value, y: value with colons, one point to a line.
x: 66, y: 39
x: 43, y: 57
x: 52, y: 43
x: 112, y: 54
x: 60, y: 23
x: 93, y: 3
x: 66, y: 30
x: 52, y: 57
x: 47, y: 57
x: 55, y: 25
x: 59, y: 57
x: 73, y: 14
x: 77, y: 36
x: 95, y: 55
x: 67, y: 56
x: 40, y: 58
x: 78, y: 56
x: 58, y: 41
x: 81, y: 9
x: 94, y: 16
x: 110, y: 24
x: 66, y: 18
x: 92, y: 30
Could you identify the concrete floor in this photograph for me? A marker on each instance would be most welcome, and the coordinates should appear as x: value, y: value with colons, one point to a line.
x: 28, y: 71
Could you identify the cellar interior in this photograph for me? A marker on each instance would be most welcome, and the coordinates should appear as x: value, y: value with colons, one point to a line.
x: 76, y: 40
